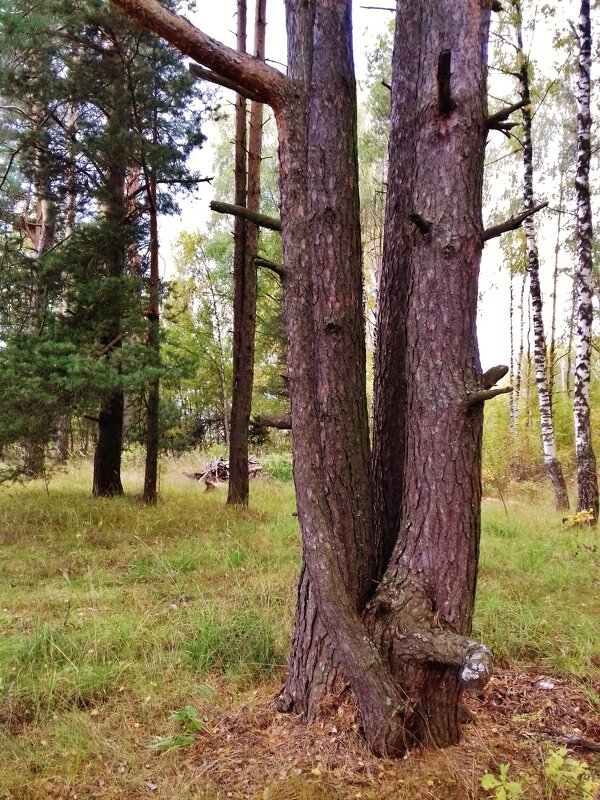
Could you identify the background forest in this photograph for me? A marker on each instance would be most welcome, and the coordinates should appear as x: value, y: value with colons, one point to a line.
x: 97, y: 128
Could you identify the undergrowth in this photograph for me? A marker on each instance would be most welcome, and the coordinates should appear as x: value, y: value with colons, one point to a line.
x: 114, y: 615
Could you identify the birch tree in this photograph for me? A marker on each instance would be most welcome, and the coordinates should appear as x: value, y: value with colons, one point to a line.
x: 587, y: 477
x: 552, y: 465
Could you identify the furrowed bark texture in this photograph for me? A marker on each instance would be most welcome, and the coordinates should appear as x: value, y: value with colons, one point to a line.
x: 238, y: 433
x: 552, y: 465
x: 324, y: 326
x: 427, y: 350
x: 587, y: 477
x: 107, y: 456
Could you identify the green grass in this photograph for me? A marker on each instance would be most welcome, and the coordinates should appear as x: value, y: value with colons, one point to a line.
x: 538, y: 597
x: 113, y: 614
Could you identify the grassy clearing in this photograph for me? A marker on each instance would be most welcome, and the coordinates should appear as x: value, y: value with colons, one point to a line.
x: 113, y: 615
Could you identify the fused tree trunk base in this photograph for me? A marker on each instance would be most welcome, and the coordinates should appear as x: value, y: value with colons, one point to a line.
x: 401, y: 643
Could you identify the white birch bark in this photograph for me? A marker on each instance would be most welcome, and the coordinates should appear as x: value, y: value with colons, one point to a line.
x: 587, y: 478
x: 551, y: 464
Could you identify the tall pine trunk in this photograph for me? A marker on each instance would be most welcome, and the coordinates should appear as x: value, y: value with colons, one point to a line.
x: 587, y: 477
x: 153, y: 316
x: 41, y: 232
x: 427, y: 340
x: 107, y: 456
x: 244, y: 292
x: 552, y: 465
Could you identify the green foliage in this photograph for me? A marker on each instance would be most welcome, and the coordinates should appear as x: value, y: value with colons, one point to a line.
x: 533, y: 604
x: 567, y: 777
x: 137, y: 611
x: 97, y: 111
x: 503, y: 788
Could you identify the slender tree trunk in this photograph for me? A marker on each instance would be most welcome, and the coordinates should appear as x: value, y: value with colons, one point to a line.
x: 552, y: 465
x: 244, y: 292
x: 552, y: 353
x: 519, y: 375
x: 511, y: 373
x: 153, y: 315
x: 569, y: 370
x: 41, y: 233
x: 63, y: 424
x: 238, y: 448
x: 587, y: 477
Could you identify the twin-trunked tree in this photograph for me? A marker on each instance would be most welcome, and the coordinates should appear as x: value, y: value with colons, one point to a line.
x: 390, y: 541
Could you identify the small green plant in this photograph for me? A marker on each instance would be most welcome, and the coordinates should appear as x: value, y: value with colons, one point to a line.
x: 566, y: 777
x: 188, y: 717
x: 502, y: 787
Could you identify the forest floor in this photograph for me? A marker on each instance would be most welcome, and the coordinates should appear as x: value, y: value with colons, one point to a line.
x: 140, y: 649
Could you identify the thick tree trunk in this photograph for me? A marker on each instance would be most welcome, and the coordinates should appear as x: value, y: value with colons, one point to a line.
x: 430, y: 270
x: 587, y: 477
x: 244, y: 294
x: 551, y: 463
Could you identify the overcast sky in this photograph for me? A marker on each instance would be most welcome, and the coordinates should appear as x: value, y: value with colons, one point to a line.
x: 218, y: 20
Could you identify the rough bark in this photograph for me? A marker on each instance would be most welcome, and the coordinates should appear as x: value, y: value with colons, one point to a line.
x: 244, y: 273
x: 587, y: 477
x: 552, y: 465
x: 427, y: 341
